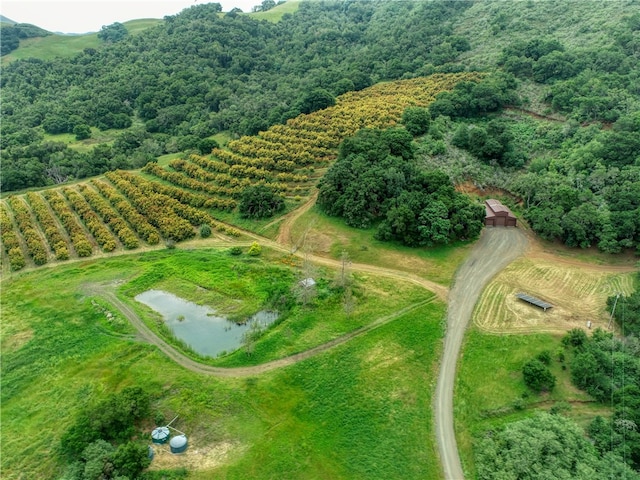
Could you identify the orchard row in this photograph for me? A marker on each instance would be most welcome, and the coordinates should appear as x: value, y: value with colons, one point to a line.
x: 285, y: 157
x: 124, y: 211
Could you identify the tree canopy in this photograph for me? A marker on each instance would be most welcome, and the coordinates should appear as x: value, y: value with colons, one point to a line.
x: 259, y: 201
x: 375, y: 180
x: 543, y: 447
x: 608, y: 368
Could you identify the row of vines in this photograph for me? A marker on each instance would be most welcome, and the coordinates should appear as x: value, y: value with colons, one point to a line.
x: 288, y: 157
x: 126, y: 210
x: 122, y: 212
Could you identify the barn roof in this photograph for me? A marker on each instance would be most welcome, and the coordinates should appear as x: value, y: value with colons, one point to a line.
x: 534, y: 301
x: 495, y: 208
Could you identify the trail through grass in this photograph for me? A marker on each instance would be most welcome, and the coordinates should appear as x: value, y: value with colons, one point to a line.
x: 360, y: 410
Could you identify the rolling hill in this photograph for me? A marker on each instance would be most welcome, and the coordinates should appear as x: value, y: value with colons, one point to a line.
x: 124, y: 166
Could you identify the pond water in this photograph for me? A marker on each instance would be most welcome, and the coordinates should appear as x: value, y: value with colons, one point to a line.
x: 199, y: 326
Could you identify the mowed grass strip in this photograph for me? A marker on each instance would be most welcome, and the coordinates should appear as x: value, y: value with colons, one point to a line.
x: 361, y: 410
x: 577, y: 292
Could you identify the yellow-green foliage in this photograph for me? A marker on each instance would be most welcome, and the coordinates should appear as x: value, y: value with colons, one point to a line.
x: 169, y: 201
x: 10, y: 241
x: 35, y: 245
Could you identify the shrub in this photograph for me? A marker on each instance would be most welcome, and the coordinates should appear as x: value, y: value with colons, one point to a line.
x: 255, y: 249
x: 260, y: 201
x: 537, y: 376
x: 545, y: 357
x: 205, y: 230
x: 576, y: 338
x: 235, y: 251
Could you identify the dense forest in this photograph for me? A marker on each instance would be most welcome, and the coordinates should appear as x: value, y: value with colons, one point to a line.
x: 375, y: 179
x: 570, y: 154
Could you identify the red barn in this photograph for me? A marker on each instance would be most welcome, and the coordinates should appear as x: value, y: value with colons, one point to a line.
x: 497, y: 215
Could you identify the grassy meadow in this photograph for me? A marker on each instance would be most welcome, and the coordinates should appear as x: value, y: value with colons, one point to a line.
x: 367, y: 416
x: 490, y: 391
x: 51, y: 46
x: 330, y: 236
x: 276, y: 13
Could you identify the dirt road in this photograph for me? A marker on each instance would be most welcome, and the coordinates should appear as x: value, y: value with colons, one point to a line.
x: 496, y: 248
x: 145, y: 334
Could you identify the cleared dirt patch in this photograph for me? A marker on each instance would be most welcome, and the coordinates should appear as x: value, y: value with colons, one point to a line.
x: 196, y: 457
x: 578, y: 294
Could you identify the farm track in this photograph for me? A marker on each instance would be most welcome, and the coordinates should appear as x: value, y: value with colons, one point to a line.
x: 491, y: 254
x: 495, y: 250
x: 145, y: 334
x: 284, y: 234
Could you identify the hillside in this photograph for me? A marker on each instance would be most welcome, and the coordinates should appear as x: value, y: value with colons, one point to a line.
x: 65, y: 46
x: 12, y: 33
x: 324, y: 164
x: 197, y: 190
x: 574, y: 99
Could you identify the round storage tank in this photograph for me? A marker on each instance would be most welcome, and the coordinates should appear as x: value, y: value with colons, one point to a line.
x: 160, y: 435
x: 178, y: 444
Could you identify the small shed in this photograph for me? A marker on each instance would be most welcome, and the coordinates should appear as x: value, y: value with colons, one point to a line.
x: 534, y: 301
x: 497, y: 215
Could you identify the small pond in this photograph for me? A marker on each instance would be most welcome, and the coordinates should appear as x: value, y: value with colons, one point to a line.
x: 199, y: 326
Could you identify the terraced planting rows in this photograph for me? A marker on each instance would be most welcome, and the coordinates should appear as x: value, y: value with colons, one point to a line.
x: 121, y: 212
x: 285, y: 157
x: 576, y: 297
x: 125, y: 210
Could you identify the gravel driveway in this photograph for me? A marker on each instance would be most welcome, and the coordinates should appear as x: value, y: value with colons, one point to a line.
x: 496, y: 248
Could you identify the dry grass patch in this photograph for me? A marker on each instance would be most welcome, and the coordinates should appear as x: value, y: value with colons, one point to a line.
x: 200, y: 455
x: 578, y: 294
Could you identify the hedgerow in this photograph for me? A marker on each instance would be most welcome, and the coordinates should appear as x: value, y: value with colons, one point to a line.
x: 54, y: 236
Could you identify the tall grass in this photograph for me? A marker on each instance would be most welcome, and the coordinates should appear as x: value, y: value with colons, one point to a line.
x: 361, y: 410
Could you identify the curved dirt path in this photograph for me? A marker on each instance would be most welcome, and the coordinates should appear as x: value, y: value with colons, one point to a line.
x: 496, y: 248
x: 440, y: 290
x: 147, y: 335
x: 284, y: 234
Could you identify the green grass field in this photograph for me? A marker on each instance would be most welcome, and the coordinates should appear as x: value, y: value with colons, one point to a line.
x: 490, y: 391
x: 46, y: 48
x: 359, y: 411
x: 330, y: 236
x: 276, y: 13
